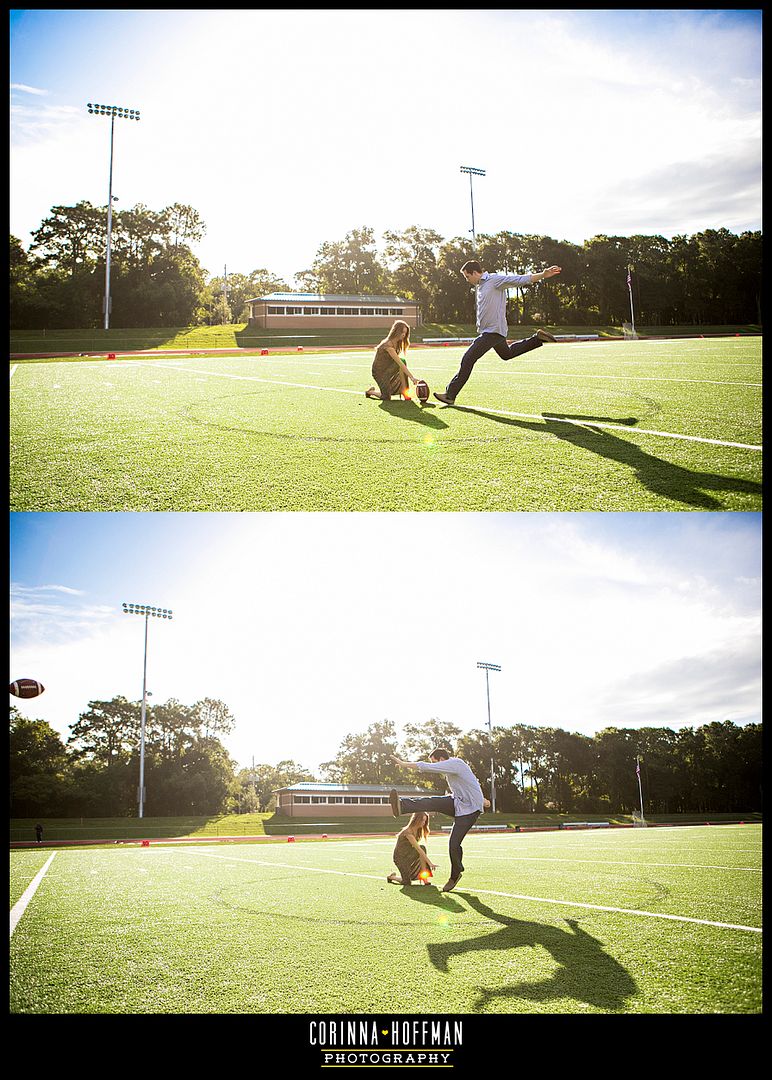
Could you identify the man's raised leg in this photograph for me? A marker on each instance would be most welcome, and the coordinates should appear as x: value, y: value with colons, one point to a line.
x: 518, y: 348
x: 430, y: 804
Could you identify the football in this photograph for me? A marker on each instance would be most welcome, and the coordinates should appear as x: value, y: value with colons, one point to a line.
x: 26, y: 688
x: 422, y: 390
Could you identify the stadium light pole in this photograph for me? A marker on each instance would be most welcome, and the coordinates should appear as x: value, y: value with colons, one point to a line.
x: 125, y: 114
x: 472, y: 172
x: 157, y: 613
x: 487, y: 668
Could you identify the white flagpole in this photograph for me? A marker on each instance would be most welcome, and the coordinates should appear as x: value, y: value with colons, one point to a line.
x: 640, y: 793
x: 632, y: 313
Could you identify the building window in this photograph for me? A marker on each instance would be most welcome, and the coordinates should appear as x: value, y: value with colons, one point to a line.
x: 301, y: 798
x: 395, y: 311
x: 294, y: 311
x: 349, y: 800
x: 367, y: 311
x: 337, y: 799
x: 318, y: 799
x: 327, y: 311
x: 275, y: 310
x: 310, y: 310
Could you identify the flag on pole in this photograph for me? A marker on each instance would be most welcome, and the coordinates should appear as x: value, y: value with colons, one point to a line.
x: 629, y: 279
x: 637, y: 768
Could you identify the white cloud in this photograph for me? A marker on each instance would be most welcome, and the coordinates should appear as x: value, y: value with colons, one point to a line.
x: 28, y: 89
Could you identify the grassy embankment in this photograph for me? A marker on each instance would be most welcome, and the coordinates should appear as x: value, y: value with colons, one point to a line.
x: 239, y: 335
x: 269, y: 824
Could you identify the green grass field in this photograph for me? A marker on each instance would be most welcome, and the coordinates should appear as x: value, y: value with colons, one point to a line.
x: 658, y: 920
x: 600, y: 426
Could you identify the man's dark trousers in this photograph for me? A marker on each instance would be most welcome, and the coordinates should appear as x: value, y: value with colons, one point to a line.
x: 443, y: 804
x: 479, y: 347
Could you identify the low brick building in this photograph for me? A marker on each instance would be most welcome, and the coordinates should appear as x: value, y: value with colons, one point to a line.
x: 297, y: 311
x: 340, y: 800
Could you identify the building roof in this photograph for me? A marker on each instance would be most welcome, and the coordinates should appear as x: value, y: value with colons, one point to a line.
x: 374, y: 789
x: 332, y: 298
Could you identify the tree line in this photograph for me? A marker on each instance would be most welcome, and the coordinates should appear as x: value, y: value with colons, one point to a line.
x: 712, y: 277
x: 715, y: 768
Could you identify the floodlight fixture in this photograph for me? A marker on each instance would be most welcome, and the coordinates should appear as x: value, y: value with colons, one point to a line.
x: 490, y: 667
x: 472, y: 172
x: 149, y: 611
x: 122, y: 113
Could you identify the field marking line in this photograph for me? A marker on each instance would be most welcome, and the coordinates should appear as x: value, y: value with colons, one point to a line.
x: 601, y: 862
x: 21, y: 904
x: 547, y: 374
x: 499, y: 412
x: 613, y: 427
x: 12, y: 371
x: 491, y: 892
x: 256, y: 378
x: 634, y: 378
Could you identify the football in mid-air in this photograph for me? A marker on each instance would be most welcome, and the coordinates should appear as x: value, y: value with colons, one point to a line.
x: 26, y: 688
x: 422, y: 390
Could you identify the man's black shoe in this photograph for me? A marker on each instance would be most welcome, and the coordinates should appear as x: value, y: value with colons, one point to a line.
x: 545, y: 335
x: 445, y: 399
x: 394, y: 800
x: 450, y: 884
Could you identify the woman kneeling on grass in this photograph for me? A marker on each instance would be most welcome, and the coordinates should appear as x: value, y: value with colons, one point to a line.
x: 410, y: 857
x: 389, y: 366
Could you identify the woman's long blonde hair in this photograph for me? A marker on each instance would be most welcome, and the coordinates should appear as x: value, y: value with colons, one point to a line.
x: 398, y: 337
x: 418, y: 825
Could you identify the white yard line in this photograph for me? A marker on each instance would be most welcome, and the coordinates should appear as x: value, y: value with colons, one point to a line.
x: 12, y: 371
x: 613, y: 427
x: 601, y: 862
x: 499, y: 412
x: 633, y: 378
x: 552, y: 375
x: 491, y: 892
x: 21, y: 904
x: 256, y: 378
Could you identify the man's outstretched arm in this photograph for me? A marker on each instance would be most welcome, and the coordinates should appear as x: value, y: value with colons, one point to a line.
x: 542, y: 275
x: 404, y: 764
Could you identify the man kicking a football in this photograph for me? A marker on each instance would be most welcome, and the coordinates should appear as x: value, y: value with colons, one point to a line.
x: 464, y: 805
x: 492, y: 322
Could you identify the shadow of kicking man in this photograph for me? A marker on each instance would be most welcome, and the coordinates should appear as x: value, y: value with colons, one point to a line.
x: 586, y: 972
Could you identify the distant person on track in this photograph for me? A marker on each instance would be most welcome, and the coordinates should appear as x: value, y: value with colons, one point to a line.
x: 492, y: 322
x: 39, y: 833
x: 390, y: 369
x: 464, y: 805
x: 410, y: 857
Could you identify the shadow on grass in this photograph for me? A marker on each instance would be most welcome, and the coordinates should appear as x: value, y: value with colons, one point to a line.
x: 585, y: 973
x: 660, y: 477
x: 431, y: 895
x: 409, y: 410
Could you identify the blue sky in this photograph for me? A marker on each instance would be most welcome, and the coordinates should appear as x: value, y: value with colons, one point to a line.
x: 286, y: 132
x: 312, y: 627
